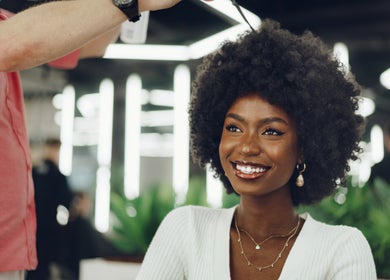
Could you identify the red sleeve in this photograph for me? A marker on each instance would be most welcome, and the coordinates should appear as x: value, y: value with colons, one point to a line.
x: 4, y: 14
x: 66, y: 62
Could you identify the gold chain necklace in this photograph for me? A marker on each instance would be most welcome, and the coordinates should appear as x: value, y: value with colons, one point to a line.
x: 279, y: 256
x: 258, y: 244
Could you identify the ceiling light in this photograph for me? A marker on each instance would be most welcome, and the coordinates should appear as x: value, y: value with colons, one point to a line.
x: 385, y: 78
x: 366, y: 106
x: 207, y: 45
x: 226, y: 9
x: 340, y: 51
x: 88, y: 105
x: 196, y: 50
x: 147, y: 52
x: 161, y: 97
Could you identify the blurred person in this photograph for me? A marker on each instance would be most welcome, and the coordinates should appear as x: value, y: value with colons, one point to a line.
x: 65, y: 234
x: 82, y: 240
x: 60, y: 31
x: 274, y: 116
x: 53, y: 198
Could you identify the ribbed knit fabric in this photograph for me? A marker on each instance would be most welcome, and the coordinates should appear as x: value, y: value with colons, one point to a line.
x: 193, y: 243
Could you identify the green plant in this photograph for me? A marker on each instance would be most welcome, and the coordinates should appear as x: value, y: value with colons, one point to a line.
x: 136, y: 220
x: 229, y: 200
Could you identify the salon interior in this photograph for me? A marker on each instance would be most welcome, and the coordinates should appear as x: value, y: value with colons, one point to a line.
x: 122, y: 119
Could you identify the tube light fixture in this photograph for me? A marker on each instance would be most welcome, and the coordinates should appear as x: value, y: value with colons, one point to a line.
x: 226, y: 9
x: 103, y: 175
x: 195, y: 50
x: 182, y: 82
x: 385, y: 79
x: 366, y: 106
x: 214, y: 189
x: 377, y: 145
x: 66, y: 135
x: 106, y: 108
x: 132, y: 136
x: 340, y: 51
x: 147, y: 52
x: 102, y: 200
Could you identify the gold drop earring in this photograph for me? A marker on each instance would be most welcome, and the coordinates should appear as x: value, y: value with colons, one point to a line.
x: 300, y: 182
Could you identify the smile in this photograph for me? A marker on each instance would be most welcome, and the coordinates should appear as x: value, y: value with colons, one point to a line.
x: 249, y: 170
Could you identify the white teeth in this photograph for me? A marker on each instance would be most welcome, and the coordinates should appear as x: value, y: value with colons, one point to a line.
x: 247, y: 169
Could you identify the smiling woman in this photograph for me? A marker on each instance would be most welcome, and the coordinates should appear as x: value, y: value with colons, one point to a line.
x: 258, y: 149
x: 275, y: 117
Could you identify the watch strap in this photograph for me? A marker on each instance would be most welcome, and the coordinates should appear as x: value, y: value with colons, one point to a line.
x: 132, y: 12
x: 129, y: 8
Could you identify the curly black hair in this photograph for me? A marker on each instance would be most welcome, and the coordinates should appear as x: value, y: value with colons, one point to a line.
x: 300, y: 75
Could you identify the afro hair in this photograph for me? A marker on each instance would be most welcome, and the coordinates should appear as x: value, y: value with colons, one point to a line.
x: 298, y: 73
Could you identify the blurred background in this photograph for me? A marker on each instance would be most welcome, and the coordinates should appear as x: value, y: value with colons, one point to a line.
x: 122, y: 119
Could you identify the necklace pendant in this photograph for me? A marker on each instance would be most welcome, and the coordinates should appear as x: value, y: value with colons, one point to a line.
x: 257, y: 247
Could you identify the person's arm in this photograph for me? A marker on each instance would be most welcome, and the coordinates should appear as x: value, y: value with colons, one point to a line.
x: 98, y: 46
x: 51, y: 30
x: 94, y: 48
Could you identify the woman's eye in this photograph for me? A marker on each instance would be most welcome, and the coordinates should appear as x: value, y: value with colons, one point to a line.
x: 272, y: 132
x: 232, y: 128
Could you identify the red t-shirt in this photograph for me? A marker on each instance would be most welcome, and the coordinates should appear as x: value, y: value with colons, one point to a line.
x: 17, y: 207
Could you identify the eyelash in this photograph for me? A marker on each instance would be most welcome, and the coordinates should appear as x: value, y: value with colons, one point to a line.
x: 232, y: 128
x: 268, y: 131
x: 273, y: 132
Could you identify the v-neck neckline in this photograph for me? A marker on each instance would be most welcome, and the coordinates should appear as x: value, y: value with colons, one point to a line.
x: 222, y: 247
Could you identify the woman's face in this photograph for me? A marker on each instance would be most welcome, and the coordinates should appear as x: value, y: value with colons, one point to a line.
x: 259, y: 146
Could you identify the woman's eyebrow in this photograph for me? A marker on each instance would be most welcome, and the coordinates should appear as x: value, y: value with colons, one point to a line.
x: 234, y: 116
x: 273, y: 119
x: 267, y: 120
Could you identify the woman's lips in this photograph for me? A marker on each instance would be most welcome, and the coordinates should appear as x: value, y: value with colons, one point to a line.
x: 249, y: 170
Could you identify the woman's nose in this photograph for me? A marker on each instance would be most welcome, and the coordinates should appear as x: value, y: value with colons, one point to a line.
x: 250, y: 145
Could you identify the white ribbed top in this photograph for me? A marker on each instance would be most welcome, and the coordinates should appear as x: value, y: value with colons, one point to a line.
x: 193, y: 243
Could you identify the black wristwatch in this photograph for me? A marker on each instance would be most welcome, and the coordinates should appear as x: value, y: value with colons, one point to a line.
x: 129, y: 8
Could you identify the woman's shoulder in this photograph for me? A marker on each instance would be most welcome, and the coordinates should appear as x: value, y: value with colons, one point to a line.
x: 341, y: 233
x: 320, y: 225
x: 340, y: 249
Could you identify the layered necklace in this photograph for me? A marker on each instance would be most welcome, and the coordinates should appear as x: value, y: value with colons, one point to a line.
x: 289, y: 235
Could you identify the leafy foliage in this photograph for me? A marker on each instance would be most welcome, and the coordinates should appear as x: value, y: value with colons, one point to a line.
x: 138, y: 219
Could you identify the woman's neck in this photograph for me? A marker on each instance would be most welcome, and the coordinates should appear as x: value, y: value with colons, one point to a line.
x: 263, y: 216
